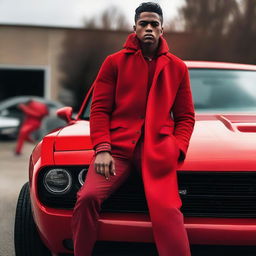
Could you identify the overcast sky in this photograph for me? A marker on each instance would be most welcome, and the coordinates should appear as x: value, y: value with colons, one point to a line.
x: 71, y: 13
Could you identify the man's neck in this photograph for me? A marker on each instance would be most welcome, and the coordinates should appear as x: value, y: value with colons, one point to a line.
x: 149, y: 50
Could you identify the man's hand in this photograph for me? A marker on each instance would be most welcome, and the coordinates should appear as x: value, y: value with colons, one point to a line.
x: 104, y: 164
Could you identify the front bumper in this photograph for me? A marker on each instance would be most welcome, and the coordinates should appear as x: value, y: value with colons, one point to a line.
x: 55, y: 227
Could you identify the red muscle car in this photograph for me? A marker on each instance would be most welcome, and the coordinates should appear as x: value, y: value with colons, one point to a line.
x: 217, y: 182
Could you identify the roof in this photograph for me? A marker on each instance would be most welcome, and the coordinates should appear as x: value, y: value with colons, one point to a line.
x: 219, y: 65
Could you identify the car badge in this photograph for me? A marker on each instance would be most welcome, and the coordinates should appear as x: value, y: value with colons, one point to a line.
x: 183, y: 191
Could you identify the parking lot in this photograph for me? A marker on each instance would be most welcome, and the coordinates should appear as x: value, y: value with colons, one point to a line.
x: 14, y: 175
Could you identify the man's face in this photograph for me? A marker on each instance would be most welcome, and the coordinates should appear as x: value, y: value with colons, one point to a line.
x: 148, y: 27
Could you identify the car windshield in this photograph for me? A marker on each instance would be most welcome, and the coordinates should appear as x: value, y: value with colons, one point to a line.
x: 218, y: 91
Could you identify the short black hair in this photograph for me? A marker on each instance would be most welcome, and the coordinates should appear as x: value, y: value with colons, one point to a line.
x: 148, y: 7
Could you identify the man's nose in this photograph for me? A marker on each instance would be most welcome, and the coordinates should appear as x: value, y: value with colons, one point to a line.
x: 149, y: 28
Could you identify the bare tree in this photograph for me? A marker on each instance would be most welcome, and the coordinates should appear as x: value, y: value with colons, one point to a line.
x: 85, y: 50
x: 110, y: 19
x: 209, y: 20
x: 222, y: 30
x: 242, y: 33
x: 208, y: 16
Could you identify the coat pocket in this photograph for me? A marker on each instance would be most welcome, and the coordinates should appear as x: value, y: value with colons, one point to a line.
x: 166, y: 130
x: 174, y: 146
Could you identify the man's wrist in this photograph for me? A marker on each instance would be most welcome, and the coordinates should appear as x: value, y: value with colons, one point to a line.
x: 103, y: 147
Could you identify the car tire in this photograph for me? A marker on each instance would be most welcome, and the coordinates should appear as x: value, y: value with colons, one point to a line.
x: 26, y: 238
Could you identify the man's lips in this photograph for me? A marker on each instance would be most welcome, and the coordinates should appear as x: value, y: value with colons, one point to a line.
x: 148, y: 36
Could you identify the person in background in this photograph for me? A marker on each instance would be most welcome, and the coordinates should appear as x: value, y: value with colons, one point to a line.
x: 34, y: 112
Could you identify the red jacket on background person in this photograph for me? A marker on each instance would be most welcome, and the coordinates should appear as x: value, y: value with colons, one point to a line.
x: 121, y: 107
x: 34, y: 112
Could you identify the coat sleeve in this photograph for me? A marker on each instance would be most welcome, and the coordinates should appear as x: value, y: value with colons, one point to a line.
x: 29, y: 111
x: 184, y: 115
x: 103, y: 99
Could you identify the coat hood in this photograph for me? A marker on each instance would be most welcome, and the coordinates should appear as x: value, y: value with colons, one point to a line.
x: 132, y: 44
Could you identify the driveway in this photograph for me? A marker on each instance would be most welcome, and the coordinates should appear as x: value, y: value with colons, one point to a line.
x: 13, y: 175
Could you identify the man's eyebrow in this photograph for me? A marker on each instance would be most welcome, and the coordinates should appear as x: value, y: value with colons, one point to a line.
x: 149, y: 21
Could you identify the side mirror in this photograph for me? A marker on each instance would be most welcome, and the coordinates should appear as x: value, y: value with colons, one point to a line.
x: 65, y: 113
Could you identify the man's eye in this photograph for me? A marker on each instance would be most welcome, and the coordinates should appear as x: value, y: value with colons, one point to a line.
x: 143, y: 24
x: 155, y: 24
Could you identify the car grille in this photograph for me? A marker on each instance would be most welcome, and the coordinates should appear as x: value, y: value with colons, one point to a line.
x: 203, y: 194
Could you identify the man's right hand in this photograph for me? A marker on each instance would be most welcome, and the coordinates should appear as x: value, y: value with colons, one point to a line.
x: 104, y: 164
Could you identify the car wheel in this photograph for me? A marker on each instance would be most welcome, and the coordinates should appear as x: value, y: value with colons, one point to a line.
x: 26, y: 238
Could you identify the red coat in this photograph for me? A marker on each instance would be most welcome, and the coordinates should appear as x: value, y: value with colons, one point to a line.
x: 120, y: 107
x: 34, y: 112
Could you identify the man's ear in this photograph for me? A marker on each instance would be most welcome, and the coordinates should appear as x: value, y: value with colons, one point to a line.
x: 162, y: 30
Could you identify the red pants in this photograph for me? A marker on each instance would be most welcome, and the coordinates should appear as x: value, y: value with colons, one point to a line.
x: 97, y: 188
x: 24, y: 134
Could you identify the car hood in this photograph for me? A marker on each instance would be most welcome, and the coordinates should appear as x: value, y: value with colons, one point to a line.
x: 223, y: 142
x: 75, y: 136
x: 219, y: 141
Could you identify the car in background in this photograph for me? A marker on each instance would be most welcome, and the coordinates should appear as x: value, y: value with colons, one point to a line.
x: 8, y: 126
x: 217, y: 182
x: 11, y: 116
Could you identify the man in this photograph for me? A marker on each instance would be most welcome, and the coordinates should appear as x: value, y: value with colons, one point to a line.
x: 142, y: 117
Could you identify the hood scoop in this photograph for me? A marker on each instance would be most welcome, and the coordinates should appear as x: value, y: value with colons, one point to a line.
x: 246, y: 128
x: 241, y: 123
x: 241, y: 118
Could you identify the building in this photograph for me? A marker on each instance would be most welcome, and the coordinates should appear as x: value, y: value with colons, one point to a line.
x: 30, y: 55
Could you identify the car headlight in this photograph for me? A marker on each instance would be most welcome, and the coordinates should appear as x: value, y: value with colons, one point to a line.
x: 57, y: 181
x: 82, y: 176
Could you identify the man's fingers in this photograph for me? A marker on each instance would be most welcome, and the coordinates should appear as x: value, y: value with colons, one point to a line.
x: 99, y: 168
x: 104, y: 165
x: 112, y: 168
x: 102, y: 169
x: 107, y: 175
